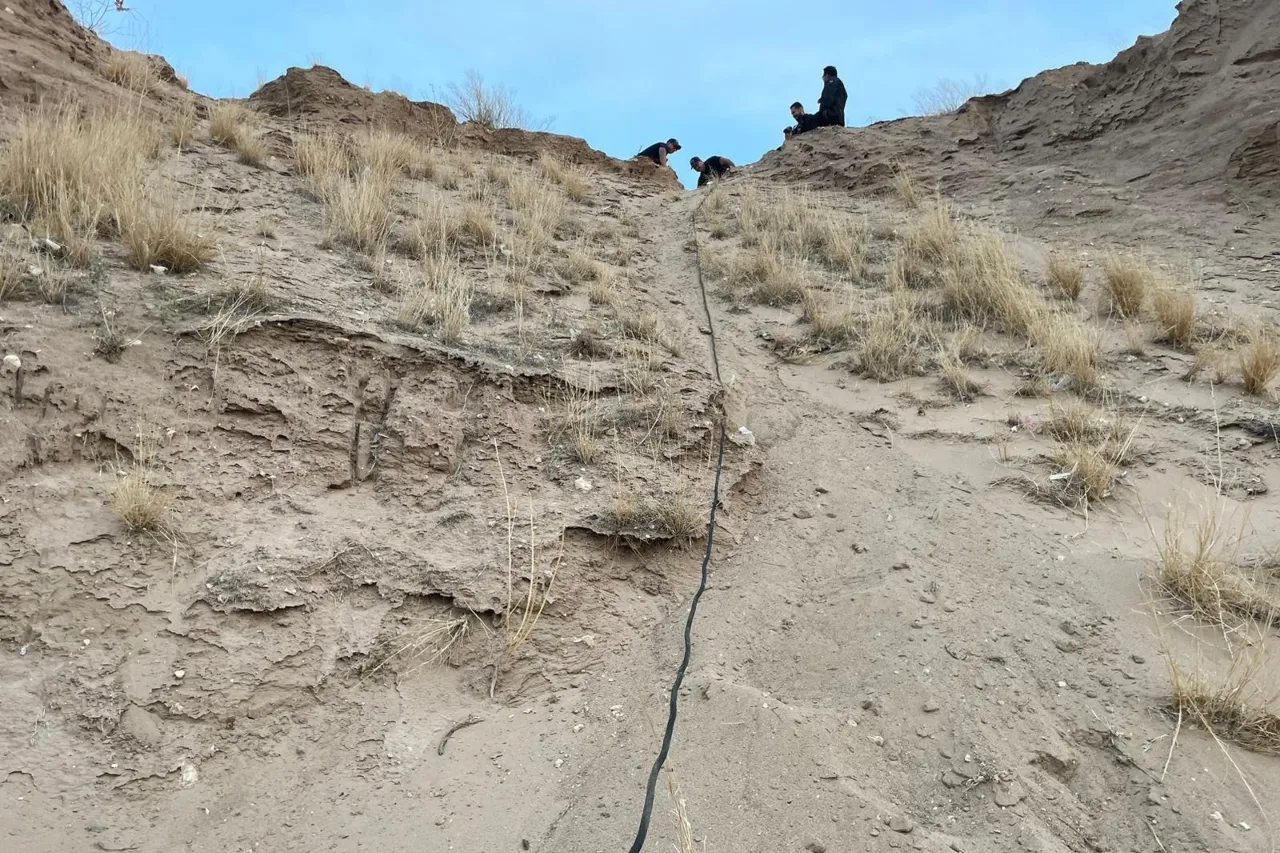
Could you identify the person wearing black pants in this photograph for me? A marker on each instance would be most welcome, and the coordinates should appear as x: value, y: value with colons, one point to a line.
x: 831, y: 102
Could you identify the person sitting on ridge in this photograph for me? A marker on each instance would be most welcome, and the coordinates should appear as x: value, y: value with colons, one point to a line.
x: 804, y: 121
x: 712, y: 167
x: 658, y: 151
x: 831, y: 102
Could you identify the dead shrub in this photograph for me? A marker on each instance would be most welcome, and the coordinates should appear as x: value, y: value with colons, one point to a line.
x: 906, y: 187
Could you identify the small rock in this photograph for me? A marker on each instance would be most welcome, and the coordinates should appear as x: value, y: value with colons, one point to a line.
x: 901, y: 566
x: 704, y: 330
x: 1138, y: 659
x: 559, y: 763
x: 159, y: 270
x: 949, y: 608
x: 928, y: 598
x: 141, y: 725
x: 1067, y: 645
x: 952, y: 779
x: 1062, y: 684
x: 917, y: 624
x: 179, y: 674
x: 901, y: 824
x: 816, y: 847
x: 582, y: 485
x: 931, y: 706
x: 876, y: 739
x: 12, y: 363
x: 859, y: 548
x: 803, y: 514
x: 872, y: 705
x: 822, y: 490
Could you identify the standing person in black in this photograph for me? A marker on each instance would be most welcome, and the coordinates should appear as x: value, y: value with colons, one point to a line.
x: 712, y: 167
x: 832, y: 101
x: 658, y: 151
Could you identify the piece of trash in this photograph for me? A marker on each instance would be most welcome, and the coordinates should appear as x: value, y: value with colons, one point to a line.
x: 52, y: 246
x: 588, y: 639
x: 582, y: 485
x: 179, y: 673
x: 742, y: 430
x: 1245, y: 826
x: 1063, y: 475
x: 159, y: 270
x: 190, y: 775
x: 1216, y: 816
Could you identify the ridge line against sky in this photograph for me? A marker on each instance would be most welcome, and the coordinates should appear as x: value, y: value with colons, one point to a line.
x: 621, y: 76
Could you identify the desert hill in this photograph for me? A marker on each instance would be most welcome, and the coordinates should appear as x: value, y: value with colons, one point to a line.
x: 356, y: 465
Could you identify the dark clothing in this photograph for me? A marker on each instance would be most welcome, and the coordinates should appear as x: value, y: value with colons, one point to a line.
x: 714, y: 167
x: 651, y: 152
x: 807, y: 121
x: 831, y: 103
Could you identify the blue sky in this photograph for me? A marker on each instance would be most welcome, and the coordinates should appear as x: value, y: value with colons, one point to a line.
x: 625, y: 74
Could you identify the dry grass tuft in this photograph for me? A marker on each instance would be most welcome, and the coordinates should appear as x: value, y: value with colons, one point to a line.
x: 892, y: 346
x: 387, y: 153
x: 131, y: 70
x: 182, y: 129
x: 1235, y: 707
x: 323, y: 161
x: 357, y: 212
x: 906, y: 187
x: 157, y: 230
x: 574, y: 425
x: 442, y: 299
x: 829, y: 327
x: 767, y: 274
x: 479, y: 223
x: 934, y: 236
x: 424, y: 643
x: 1086, y: 473
x: 570, y: 179
x: 138, y: 503
x: 1260, y: 362
x: 1175, y: 311
x: 1066, y: 347
x: 1127, y: 280
x: 983, y: 285
x: 956, y: 376
x: 1200, y: 566
x: 68, y: 174
x: 1065, y: 277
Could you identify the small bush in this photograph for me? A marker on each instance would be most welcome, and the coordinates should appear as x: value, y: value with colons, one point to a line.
x: 1175, y: 311
x: 442, y: 299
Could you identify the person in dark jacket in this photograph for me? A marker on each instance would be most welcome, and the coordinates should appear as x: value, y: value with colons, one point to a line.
x: 712, y: 167
x: 658, y: 151
x: 804, y: 121
x: 831, y: 102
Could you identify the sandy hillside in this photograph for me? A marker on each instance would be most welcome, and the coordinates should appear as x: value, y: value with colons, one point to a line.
x: 356, y: 467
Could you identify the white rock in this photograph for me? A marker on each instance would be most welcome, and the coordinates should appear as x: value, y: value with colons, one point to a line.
x: 582, y: 485
x: 159, y: 270
x: 12, y: 363
x: 179, y: 673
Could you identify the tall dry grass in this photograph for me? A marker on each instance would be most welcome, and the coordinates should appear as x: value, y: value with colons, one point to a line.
x: 130, y: 69
x: 71, y: 175
x: 442, y: 298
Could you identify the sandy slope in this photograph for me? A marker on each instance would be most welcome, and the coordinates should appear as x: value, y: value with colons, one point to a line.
x: 899, y: 648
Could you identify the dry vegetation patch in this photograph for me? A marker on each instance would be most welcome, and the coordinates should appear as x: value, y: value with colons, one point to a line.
x: 1065, y: 276
x: 1260, y: 362
x: 131, y: 70
x: 1127, y: 280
